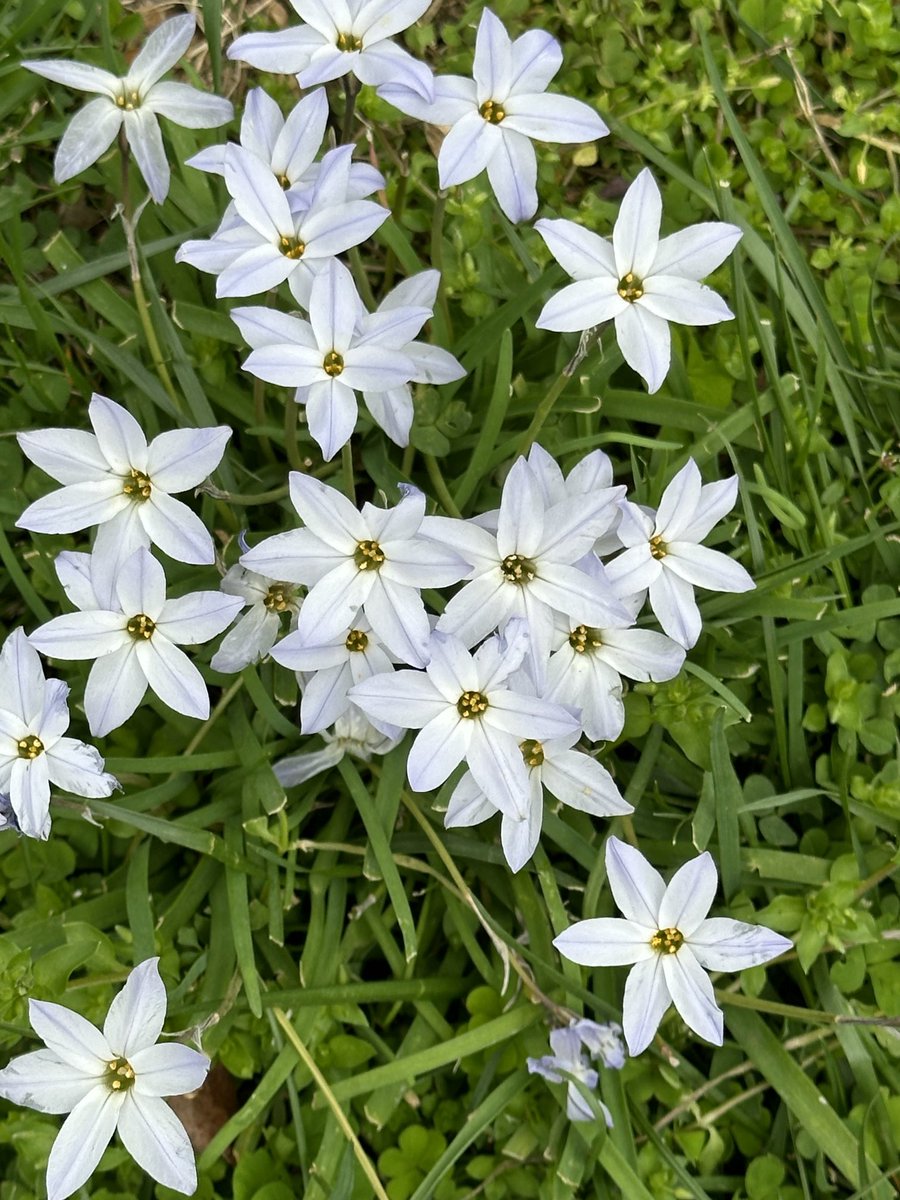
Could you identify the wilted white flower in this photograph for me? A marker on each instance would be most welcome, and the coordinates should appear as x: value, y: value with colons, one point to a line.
x: 33, y: 752
x: 113, y: 479
x: 134, y: 633
x: 636, y: 279
x: 352, y: 734
x: 568, y: 1057
x: 375, y: 560
x: 341, y: 37
x: 255, y: 632
x: 495, y: 115
x: 663, y: 552
x: 602, y: 1041
x: 665, y: 932
x: 133, y: 103
x: 109, y: 1081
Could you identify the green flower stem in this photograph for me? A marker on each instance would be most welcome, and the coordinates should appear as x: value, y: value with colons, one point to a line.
x: 440, y: 486
x: 245, y: 498
x: 130, y: 218
x: 348, y: 477
x: 290, y: 436
x: 437, y: 258
x: 545, y: 408
x: 351, y: 91
x: 812, y: 1016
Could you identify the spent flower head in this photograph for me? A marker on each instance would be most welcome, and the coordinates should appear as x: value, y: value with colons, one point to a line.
x: 567, y: 1064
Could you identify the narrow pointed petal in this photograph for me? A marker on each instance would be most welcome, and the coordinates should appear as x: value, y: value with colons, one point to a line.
x: 119, y: 436
x: 716, y: 501
x: 21, y: 677
x: 115, y: 687
x: 683, y: 300
x: 439, y: 748
x: 454, y: 96
x: 478, y: 608
x: 645, y: 342
x: 723, y: 944
x: 492, y: 68
x: 467, y: 149
x: 689, y: 895
x: 393, y: 412
x: 692, y: 994
x: 551, y: 118
x: 637, y: 888
x: 327, y: 63
x: 407, y: 698
x: 41, y: 1080
x: 536, y: 56
x: 580, y: 252
x: 672, y: 600
x: 81, y: 1140
x: 75, y: 507
x: 398, y: 616
x: 605, y: 942
x: 678, y: 502
x: 582, y: 305
x: 528, y: 716
x: 333, y: 603
x: 287, y: 365
x: 334, y: 229
x: 67, y: 455
x: 188, y: 106
x: 519, y: 836
x: 174, y: 678
x: 156, y: 1140
x: 421, y: 563
x: 182, y: 458
x: 376, y: 367
x: 285, y: 51
x: 385, y: 62
x: 261, y: 327
x: 642, y: 654
x: 296, y: 556
x: 468, y: 805
x: 70, y: 1036
x: 88, y: 135
x: 498, y: 768
x: 382, y: 20
x: 161, y: 51
x: 141, y: 585
x: 327, y: 513
x: 325, y: 698
x: 256, y: 194
x: 256, y: 270
x: 197, y: 617
x: 81, y: 635
x: 291, y: 772
x: 145, y: 139
x: 262, y: 124
x: 29, y: 795
x: 78, y: 768
x: 636, y: 232
x: 706, y: 568
x: 298, y: 142
x: 695, y: 252
x: 249, y: 641
x: 645, y: 1002
x: 80, y: 76
x: 633, y: 571
x: 331, y: 412
x: 521, y: 524
x: 452, y: 669
x: 335, y: 307
x: 571, y: 591
x: 169, y: 1069
x: 512, y: 173
x: 136, y: 1015
x: 433, y: 364
x: 172, y: 526
x: 581, y: 782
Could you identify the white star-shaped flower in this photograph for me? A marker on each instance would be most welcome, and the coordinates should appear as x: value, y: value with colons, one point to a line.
x: 495, y: 116
x: 637, y: 279
x: 375, y: 560
x: 113, y: 479
x: 255, y: 632
x: 34, y: 753
x: 666, y: 933
x: 528, y: 568
x: 341, y: 37
x: 133, y: 103
x: 110, y: 1081
x: 664, y: 552
x: 281, y: 236
x: 464, y: 708
x: 134, y: 633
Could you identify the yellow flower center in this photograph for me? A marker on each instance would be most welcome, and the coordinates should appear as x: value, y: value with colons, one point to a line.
x: 333, y: 364
x: 492, y: 111
x: 119, y: 1075
x: 630, y: 287
x: 349, y: 41
x: 516, y: 568
x: 137, y: 485
x: 658, y: 548
x: 357, y: 640
x: 471, y: 705
x: 29, y: 747
x: 278, y: 598
x: 128, y: 100
x: 283, y: 181
x: 532, y: 752
x: 292, y: 247
x: 368, y: 555
x: 667, y: 941
x: 141, y: 627
x: 584, y: 640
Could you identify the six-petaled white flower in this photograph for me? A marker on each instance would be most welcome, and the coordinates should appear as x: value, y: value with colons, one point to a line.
x: 108, y: 1081
x: 375, y: 560
x: 113, y: 479
x: 666, y: 933
x: 341, y: 37
x: 663, y: 552
x: 465, y: 709
x: 133, y: 103
x: 495, y: 115
x: 134, y: 633
x: 255, y: 632
x: 34, y: 753
x: 637, y: 279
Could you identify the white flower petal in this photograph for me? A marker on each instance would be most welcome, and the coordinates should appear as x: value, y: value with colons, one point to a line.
x: 266, y: 327
x: 80, y: 1143
x: 452, y: 669
x: 405, y: 698
x: 723, y: 944
x: 297, y: 556
x: 172, y: 526
x: 197, y: 617
x: 332, y: 603
x: 689, y: 895
x: 636, y: 232
x: 716, y: 499
x: 492, y: 68
x: 398, y: 616
x: 642, y: 654
x: 678, y: 502
x: 145, y: 139
x: 161, y: 51
x: 536, y: 57
x: 519, y: 836
x: 136, y: 1015
x: 41, y: 1080
x: 262, y: 124
x: 637, y: 887
x: 580, y: 252
x: 386, y: 62
x: 300, y: 135
x: 188, y: 106
x: 68, y: 455
x: 674, y: 298
x: 644, y: 1003
x: 75, y: 507
x: 672, y: 600
x: 88, y: 135
x: 393, y: 412
x: 334, y: 307
x: 468, y: 805
x: 332, y: 229
x: 70, y: 1036
x: 582, y: 305
x: 285, y: 51
x: 523, y: 716
x: 706, y: 568
x: 22, y: 683
x: 78, y: 768
x: 325, y: 698
x: 512, y: 173
x: 255, y: 270
x: 439, y: 747
x: 327, y: 513
x: 29, y: 795
x: 581, y: 782
x: 695, y: 252
x: 467, y: 149
x: 174, y: 678
x: 327, y: 63
x: 383, y: 18
x: 605, y: 942
x: 692, y: 994
x: 115, y: 687
x: 521, y: 523
x: 551, y: 118
x: 454, y: 96
x: 257, y: 195
x: 169, y: 1069
x: 645, y: 342
x: 476, y: 609
x: 331, y: 412
x: 182, y: 458
x: 81, y: 76
x: 633, y: 571
x: 156, y: 1140
x: 249, y: 641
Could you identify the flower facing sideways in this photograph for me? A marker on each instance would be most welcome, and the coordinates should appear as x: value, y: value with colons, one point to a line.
x: 133, y: 103
x: 638, y: 280
x: 254, y: 634
x: 667, y: 935
x: 568, y: 1048
x: 109, y: 1081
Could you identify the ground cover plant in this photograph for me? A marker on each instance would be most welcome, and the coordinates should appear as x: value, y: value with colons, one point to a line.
x: 451, y: 634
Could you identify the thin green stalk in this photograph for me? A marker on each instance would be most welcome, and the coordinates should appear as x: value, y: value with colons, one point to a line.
x: 348, y: 477
x: 245, y: 498
x: 437, y: 257
x: 812, y: 1016
x: 545, y: 408
x: 440, y: 487
x: 290, y: 436
x: 351, y: 91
